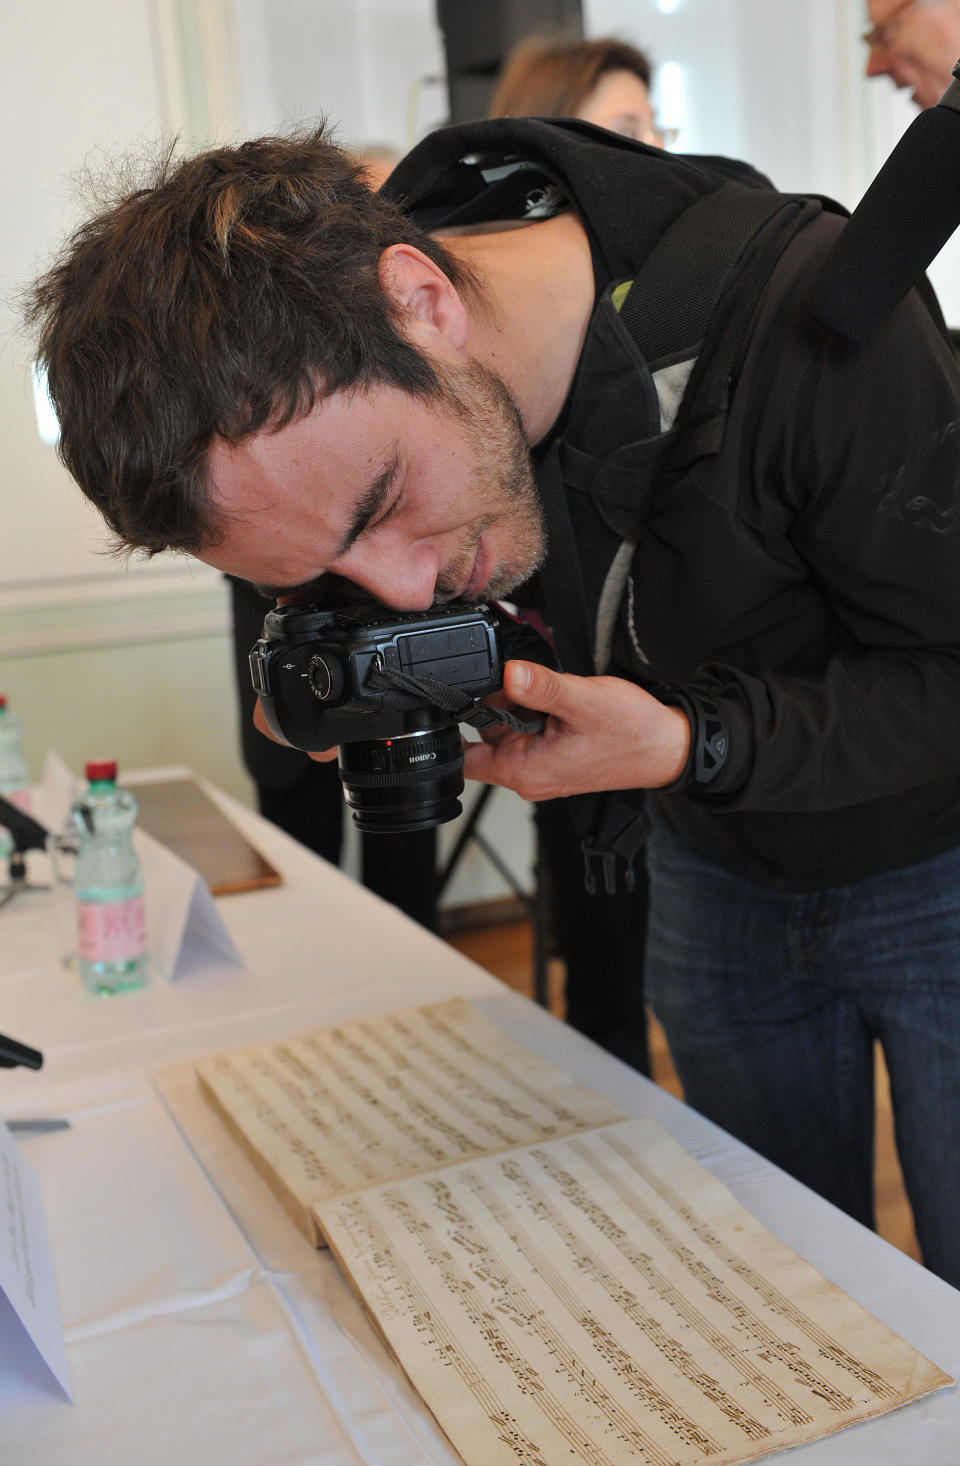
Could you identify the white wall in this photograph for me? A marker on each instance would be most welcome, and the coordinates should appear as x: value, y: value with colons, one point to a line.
x: 95, y: 658
x: 374, y: 67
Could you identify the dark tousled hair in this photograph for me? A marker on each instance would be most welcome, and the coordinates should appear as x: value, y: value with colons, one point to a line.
x: 553, y: 78
x: 229, y: 293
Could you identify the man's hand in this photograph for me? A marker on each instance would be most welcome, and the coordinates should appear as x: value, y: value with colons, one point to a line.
x: 600, y: 733
x: 260, y: 723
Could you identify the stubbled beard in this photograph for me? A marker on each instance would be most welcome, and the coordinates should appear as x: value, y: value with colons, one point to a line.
x: 502, y: 478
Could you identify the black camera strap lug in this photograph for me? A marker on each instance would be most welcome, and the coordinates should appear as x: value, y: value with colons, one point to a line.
x: 484, y: 717
x: 617, y: 831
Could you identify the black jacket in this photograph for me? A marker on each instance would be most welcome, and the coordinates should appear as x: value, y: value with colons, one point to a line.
x: 798, y: 555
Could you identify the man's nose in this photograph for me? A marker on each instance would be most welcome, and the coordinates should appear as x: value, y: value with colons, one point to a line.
x: 406, y: 581
x: 878, y: 62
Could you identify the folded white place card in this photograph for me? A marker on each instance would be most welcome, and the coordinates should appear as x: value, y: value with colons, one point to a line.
x: 58, y: 789
x: 33, y: 1358
x: 185, y: 931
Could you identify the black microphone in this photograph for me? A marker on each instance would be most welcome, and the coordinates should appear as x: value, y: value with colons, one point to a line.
x: 27, y: 833
x: 902, y: 222
x: 12, y: 1053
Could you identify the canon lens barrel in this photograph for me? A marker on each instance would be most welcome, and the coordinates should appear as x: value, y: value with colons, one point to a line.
x: 411, y: 782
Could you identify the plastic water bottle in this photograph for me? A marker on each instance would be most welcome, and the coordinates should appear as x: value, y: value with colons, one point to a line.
x: 14, y: 774
x: 108, y: 885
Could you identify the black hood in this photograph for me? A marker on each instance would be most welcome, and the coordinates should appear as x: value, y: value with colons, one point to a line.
x: 481, y: 171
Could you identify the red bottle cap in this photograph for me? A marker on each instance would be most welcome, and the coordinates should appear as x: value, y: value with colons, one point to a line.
x: 100, y: 768
x: 3, y: 699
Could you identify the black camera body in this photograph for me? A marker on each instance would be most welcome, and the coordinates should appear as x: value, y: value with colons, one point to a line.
x: 314, y: 671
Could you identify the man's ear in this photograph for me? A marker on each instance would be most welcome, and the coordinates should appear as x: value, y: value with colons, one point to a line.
x: 422, y: 297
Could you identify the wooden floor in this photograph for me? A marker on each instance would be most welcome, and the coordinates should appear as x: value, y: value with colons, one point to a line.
x: 506, y: 950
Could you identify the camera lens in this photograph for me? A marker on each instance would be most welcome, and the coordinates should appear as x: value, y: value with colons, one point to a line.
x: 411, y: 782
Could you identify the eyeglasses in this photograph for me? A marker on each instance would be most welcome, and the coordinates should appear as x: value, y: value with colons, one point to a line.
x: 878, y: 37
x: 661, y: 137
x: 654, y: 136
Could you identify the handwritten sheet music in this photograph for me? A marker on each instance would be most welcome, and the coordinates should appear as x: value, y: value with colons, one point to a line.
x: 604, y: 1299
x: 390, y: 1096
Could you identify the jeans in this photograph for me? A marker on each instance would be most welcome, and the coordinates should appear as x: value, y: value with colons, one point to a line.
x: 771, y: 1002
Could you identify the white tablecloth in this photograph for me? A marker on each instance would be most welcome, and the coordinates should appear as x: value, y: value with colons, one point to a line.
x: 201, y: 1327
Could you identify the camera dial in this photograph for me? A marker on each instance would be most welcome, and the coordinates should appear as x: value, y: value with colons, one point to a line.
x: 325, y: 677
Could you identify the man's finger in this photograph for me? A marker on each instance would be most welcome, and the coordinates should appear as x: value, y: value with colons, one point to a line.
x: 534, y: 686
x: 261, y: 725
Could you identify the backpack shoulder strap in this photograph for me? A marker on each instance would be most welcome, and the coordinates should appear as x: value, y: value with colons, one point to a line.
x: 678, y: 287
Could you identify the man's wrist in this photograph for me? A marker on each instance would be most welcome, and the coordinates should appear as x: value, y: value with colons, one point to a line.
x: 677, y: 745
x: 708, y: 748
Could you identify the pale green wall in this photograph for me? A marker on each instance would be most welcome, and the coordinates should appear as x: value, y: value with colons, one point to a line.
x: 94, y: 657
x: 145, y: 704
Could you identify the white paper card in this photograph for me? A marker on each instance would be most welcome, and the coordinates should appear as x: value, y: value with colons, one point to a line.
x: 30, y: 1328
x: 58, y: 789
x: 185, y: 931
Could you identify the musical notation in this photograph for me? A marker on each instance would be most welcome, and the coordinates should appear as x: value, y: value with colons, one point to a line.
x: 326, y: 1113
x: 563, y: 1285
x: 602, y: 1298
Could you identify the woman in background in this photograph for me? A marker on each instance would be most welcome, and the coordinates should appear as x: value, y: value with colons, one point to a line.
x: 604, y: 81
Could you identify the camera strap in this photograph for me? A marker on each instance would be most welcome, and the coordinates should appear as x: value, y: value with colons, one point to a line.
x: 465, y: 708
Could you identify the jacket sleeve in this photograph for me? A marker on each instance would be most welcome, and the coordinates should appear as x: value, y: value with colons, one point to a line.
x: 861, y: 447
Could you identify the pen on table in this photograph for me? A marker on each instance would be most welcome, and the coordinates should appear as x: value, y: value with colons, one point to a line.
x: 36, y: 1127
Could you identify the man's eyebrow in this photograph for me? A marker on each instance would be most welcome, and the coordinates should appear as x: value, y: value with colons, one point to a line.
x: 370, y: 502
x: 368, y: 506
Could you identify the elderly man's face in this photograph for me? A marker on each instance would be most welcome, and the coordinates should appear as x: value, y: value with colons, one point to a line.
x: 915, y: 43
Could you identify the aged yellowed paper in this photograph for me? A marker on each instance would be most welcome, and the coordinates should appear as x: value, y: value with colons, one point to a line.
x: 329, y: 1112
x: 604, y: 1299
